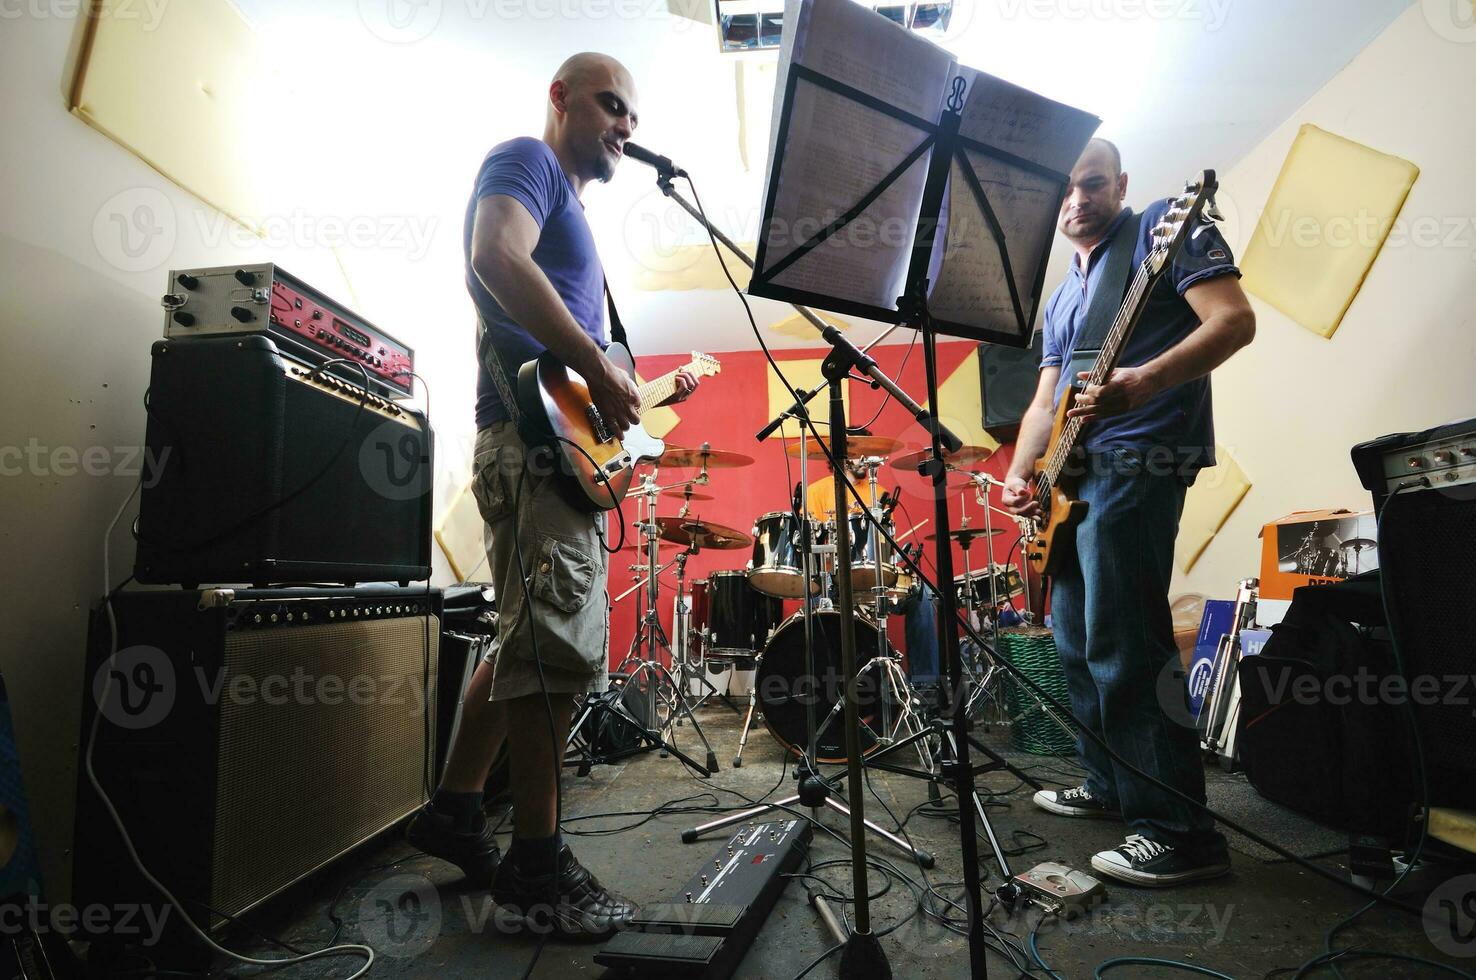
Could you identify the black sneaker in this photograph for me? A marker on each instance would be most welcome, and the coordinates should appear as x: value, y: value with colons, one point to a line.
x: 474, y: 851
x: 1074, y: 802
x: 1143, y: 861
x: 572, y: 903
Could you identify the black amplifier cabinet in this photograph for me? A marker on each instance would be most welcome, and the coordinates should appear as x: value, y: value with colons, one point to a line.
x: 249, y: 738
x: 260, y: 470
x: 1424, y: 490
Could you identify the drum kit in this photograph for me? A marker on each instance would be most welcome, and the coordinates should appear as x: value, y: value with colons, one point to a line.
x: 735, y: 618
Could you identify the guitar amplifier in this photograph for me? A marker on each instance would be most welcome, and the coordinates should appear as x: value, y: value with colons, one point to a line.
x: 1424, y: 489
x: 261, y: 470
x: 249, y: 738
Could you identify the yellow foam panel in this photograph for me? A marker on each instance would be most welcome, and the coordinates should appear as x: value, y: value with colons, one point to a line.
x: 179, y: 91
x: 797, y: 326
x: 689, y: 267
x: 1208, y: 505
x: 1329, y: 213
x: 460, y: 538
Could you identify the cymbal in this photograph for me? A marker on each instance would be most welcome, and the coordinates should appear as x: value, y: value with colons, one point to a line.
x: 684, y: 495
x: 968, y: 533
x: 633, y: 542
x: 963, y: 456
x: 704, y: 534
x: 856, y: 447
x: 715, y: 459
x: 1359, y: 544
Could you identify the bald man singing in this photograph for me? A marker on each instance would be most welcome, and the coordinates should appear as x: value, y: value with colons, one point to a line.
x: 537, y: 282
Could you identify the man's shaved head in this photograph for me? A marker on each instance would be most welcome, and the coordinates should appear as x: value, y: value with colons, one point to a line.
x: 1099, y: 145
x: 591, y: 112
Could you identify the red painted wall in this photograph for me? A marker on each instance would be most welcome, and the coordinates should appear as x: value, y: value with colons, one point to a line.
x: 729, y: 408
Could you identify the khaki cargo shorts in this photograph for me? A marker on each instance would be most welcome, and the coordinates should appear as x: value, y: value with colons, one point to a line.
x: 567, y: 569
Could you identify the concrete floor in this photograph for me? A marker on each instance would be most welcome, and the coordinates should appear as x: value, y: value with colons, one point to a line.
x: 1263, y: 917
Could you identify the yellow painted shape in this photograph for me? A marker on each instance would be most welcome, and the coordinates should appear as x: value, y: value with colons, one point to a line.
x: 803, y: 375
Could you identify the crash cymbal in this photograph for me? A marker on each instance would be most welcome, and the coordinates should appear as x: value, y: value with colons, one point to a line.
x: 1359, y: 544
x: 968, y: 533
x: 684, y: 495
x: 856, y: 447
x: 963, y: 456
x: 714, y: 459
x: 704, y: 534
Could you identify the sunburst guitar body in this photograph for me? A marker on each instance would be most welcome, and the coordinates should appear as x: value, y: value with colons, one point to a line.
x: 597, y: 463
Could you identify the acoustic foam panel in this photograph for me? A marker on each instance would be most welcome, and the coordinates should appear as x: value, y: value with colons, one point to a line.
x: 1329, y: 213
x: 179, y: 89
x: 1208, y: 505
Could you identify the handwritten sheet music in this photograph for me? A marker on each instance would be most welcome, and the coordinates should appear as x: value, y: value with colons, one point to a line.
x: 838, y: 150
x: 970, y: 285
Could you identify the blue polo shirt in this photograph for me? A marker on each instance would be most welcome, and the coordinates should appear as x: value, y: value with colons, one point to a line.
x: 1179, y: 419
x: 526, y: 170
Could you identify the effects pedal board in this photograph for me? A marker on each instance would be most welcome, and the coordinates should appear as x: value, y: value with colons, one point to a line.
x: 705, y: 930
x: 304, y: 322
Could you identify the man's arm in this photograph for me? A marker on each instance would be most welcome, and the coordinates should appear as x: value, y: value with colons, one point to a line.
x: 1030, y: 443
x: 504, y: 235
x: 1227, y: 323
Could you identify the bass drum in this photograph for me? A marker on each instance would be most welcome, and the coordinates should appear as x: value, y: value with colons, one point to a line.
x: 783, y: 688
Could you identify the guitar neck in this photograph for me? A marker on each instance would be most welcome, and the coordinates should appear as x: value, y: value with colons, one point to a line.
x: 655, y: 392
x: 1111, y: 353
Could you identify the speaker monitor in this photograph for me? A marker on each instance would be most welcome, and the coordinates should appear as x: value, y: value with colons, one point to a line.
x: 1007, y: 382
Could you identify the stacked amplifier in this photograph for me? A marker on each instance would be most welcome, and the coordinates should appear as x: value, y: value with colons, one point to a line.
x: 278, y: 452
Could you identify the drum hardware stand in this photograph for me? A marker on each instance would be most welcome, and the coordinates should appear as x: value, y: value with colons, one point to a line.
x: 648, y: 673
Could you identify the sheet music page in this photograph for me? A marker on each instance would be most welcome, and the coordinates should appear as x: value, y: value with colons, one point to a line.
x: 969, y: 284
x: 839, y: 150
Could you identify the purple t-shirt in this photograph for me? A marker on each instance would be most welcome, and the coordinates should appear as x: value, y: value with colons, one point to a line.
x: 526, y: 170
x: 1180, y: 418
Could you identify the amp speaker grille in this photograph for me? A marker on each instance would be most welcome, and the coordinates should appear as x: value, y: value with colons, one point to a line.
x: 322, y: 744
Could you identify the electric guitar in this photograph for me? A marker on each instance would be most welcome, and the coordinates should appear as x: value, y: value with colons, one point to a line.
x: 1053, y: 531
x: 598, y: 462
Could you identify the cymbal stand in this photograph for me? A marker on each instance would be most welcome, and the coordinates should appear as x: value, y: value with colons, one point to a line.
x: 648, y: 673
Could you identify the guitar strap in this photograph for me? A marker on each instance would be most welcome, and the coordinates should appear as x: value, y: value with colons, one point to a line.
x: 488, y: 354
x: 1107, y: 298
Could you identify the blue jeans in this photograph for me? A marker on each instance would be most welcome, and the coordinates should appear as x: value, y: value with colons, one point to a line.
x: 920, y: 629
x: 1114, y: 630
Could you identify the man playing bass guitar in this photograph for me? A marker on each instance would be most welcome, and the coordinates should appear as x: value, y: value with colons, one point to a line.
x: 1148, y: 431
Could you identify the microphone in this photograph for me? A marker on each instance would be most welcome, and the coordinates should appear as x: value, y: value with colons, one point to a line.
x: 663, y: 165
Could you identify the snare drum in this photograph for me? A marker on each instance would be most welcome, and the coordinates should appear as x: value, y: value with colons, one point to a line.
x: 975, y: 587
x: 739, y: 617
x: 776, y: 568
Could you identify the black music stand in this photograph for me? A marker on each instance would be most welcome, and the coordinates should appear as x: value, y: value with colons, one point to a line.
x: 865, y: 955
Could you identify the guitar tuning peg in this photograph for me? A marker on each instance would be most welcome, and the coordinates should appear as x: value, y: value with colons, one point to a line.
x: 1212, y: 211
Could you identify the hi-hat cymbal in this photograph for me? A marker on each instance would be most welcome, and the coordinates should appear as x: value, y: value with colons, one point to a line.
x: 856, y: 447
x: 704, y: 534
x: 963, y: 456
x: 1359, y: 544
x: 713, y: 459
x: 968, y: 533
x: 684, y: 495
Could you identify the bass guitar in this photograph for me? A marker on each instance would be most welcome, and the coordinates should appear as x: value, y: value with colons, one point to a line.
x: 1052, y: 532
x: 597, y: 462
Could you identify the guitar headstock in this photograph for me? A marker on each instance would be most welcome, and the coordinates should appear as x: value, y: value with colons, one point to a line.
x: 1196, y: 200
x: 705, y: 364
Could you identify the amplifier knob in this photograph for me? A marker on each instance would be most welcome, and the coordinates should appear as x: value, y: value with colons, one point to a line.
x: 289, y: 617
x: 273, y: 617
x: 1415, y: 462
x: 184, y: 319
x: 186, y: 280
x: 242, y: 314
x: 245, y: 278
x: 256, y: 618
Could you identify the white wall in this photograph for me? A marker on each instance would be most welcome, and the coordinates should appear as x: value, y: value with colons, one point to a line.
x: 1292, y: 404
